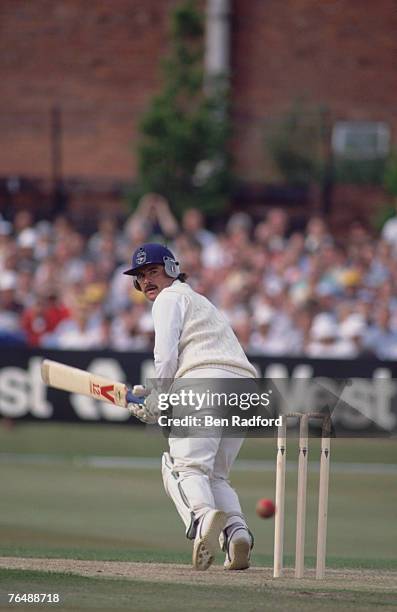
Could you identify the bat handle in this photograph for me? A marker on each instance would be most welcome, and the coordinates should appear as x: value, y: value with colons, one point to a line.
x: 134, y: 399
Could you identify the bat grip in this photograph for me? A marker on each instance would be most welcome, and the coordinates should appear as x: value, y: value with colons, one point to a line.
x: 134, y: 399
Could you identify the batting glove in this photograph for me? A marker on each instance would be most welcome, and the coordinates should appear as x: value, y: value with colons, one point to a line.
x: 148, y: 412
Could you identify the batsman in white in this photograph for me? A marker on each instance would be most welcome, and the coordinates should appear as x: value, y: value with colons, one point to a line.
x: 194, y: 340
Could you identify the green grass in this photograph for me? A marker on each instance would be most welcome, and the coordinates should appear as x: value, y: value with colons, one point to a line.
x: 153, y: 556
x: 75, y: 511
x: 71, y: 440
x: 70, y: 507
x: 80, y: 593
x: 45, y: 506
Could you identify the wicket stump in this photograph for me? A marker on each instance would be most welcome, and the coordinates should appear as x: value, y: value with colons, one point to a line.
x: 302, y: 493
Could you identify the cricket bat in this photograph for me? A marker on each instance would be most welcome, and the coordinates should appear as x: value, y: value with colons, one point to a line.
x: 74, y: 380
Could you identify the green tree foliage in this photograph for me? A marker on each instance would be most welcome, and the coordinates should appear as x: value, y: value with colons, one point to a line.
x: 390, y: 174
x: 182, y: 153
x: 387, y: 210
x: 294, y: 143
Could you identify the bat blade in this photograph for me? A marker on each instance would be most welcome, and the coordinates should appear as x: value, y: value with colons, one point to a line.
x: 74, y: 380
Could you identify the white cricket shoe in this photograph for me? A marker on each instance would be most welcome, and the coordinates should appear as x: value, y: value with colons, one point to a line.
x: 206, y: 541
x: 237, y: 541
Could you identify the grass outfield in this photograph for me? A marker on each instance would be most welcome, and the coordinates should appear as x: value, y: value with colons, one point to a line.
x: 71, y: 440
x: 64, y: 509
x: 82, y: 593
x: 50, y: 509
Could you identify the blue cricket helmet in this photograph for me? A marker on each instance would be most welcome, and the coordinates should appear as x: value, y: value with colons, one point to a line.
x: 153, y: 253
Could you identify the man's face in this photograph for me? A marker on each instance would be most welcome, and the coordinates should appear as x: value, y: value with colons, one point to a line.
x: 152, y: 279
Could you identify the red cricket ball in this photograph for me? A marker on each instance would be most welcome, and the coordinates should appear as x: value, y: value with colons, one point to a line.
x: 265, y: 508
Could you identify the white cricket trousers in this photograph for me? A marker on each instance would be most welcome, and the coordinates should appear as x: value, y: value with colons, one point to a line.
x: 204, y: 465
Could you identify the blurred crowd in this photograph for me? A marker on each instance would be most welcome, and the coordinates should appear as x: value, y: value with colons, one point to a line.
x: 285, y: 293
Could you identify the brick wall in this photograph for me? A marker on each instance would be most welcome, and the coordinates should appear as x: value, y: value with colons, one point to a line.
x: 337, y: 53
x: 99, y: 61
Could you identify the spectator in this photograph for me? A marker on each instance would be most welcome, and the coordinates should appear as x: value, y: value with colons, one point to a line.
x: 193, y: 226
x: 81, y: 331
x: 380, y: 339
x: 44, y: 241
x: 23, y: 220
x: 238, y: 230
x: 352, y: 330
x: 10, y: 310
x: 153, y: 210
x: 389, y: 231
x: 277, y: 222
x: 24, y: 290
x: 259, y: 340
x: 5, y: 227
x: 107, y: 239
x: 43, y: 317
x: 131, y: 330
x: 312, y: 284
x: 317, y: 234
x: 325, y: 341
x: 242, y: 329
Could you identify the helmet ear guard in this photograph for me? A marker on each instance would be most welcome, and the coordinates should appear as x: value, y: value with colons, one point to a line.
x: 171, y: 267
